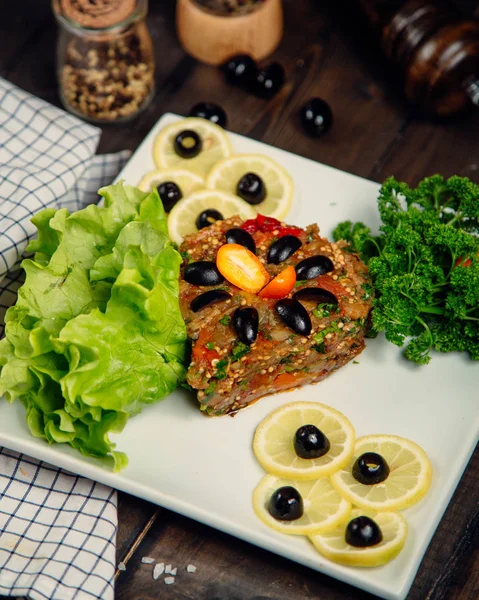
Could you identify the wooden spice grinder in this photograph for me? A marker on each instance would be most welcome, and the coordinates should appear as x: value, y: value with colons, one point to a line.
x: 435, y: 48
x: 213, y: 38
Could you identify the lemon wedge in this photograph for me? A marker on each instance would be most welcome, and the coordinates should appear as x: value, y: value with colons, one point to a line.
x: 324, y: 508
x: 409, y: 477
x: 332, y: 544
x: 187, y: 181
x: 214, y: 146
x: 182, y: 217
x: 226, y: 175
x: 273, y: 442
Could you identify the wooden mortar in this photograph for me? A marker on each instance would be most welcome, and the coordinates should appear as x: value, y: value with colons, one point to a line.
x: 213, y: 39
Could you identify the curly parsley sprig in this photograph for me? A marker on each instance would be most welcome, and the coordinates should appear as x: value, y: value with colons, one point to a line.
x: 424, y: 265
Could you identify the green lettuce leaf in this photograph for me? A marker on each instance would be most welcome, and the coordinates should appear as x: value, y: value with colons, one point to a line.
x: 96, y: 331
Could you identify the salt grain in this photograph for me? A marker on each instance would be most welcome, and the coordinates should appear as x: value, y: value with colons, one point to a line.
x: 147, y: 560
x: 174, y: 571
x: 158, y: 570
x: 168, y: 570
x: 191, y: 568
x: 121, y: 566
x: 169, y: 580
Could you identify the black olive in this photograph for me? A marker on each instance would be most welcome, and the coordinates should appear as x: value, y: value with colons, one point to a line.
x: 317, y: 294
x: 188, y: 144
x: 286, y: 504
x: 283, y: 248
x: 251, y: 188
x: 310, y: 442
x: 316, y: 117
x: 203, y: 272
x: 236, y: 235
x: 210, y: 112
x: 208, y: 217
x: 314, y: 266
x: 294, y: 315
x: 363, y: 532
x: 370, y: 468
x: 208, y: 298
x: 268, y: 81
x: 240, y: 70
x: 245, y: 323
x: 169, y: 193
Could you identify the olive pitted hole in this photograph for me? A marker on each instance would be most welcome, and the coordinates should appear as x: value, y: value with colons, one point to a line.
x: 169, y: 194
x: 202, y: 272
x: 370, y: 468
x: 286, y: 504
x: 251, y: 188
x: 283, y: 248
x: 316, y: 294
x: 245, y: 323
x: 208, y: 217
x: 236, y: 235
x: 310, y: 442
x: 188, y: 144
x: 208, y: 298
x: 363, y: 532
x: 294, y: 315
x: 314, y: 266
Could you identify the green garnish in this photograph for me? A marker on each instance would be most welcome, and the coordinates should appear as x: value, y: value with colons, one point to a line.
x: 225, y: 320
x: 210, y: 346
x: 239, y: 350
x: 325, y: 310
x: 424, y: 288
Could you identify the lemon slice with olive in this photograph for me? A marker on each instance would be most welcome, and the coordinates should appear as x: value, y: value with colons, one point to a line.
x: 202, y: 208
x: 365, y: 539
x: 193, y: 143
x: 257, y: 179
x: 172, y: 184
x: 386, y: 473
x: 304, y: 440
x: 299, y: 507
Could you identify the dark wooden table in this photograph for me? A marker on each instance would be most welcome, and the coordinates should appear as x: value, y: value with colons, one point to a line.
x: 374, y: 135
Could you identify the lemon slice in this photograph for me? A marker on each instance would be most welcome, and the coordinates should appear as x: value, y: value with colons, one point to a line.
x: 332, y: 544
x: 182, y: 218
x: 215, y: 146
x: 409, y: 478
x: 279, y: 186
x: 187, y: 181
x: 273, y: 442
x: 324, y: 508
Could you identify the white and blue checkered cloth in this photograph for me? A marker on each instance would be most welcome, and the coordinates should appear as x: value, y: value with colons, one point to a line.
x: 57, y: 530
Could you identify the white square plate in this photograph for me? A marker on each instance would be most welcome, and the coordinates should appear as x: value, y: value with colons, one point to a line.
x: 204, y: 467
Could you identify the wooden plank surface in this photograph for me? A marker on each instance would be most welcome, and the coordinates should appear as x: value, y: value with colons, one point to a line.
x: 374, y: 135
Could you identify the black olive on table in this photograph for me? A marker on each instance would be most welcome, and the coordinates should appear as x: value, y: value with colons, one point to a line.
x: 208, y: 217
x: 236, y: 235
x: 169, y: 194
x: 202, y: 272
x: 286, y: 504
x: 268, y: 81
x: 251, y: 188
x: 370, y: 468
x: 211, y: 112
x: 310, y: 442
x: 316, y: 117
x: 363, y: 532
x: 240, y: 70
x: 283, y: 248
x: 245, y: 323
x: 188, y: 144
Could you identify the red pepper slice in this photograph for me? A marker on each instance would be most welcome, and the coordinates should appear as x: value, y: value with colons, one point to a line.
x: 266, y: 224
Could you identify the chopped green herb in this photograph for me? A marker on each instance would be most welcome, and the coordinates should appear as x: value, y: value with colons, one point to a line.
x: 210, y: 389
x: 325, y: 310
x: 185, y: 256
x: 300, y: 282
x: 210, y: 345
x: 221, y: 368
x: 355, y: 362
x: 367, y: 291
x: 320, y: 348
x: 239, y: 350
x: 225, y: 320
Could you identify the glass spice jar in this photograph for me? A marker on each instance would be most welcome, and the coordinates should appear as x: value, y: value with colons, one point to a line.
x: 105, y: 61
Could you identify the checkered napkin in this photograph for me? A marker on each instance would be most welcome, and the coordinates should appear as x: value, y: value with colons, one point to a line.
x: 57, y: 530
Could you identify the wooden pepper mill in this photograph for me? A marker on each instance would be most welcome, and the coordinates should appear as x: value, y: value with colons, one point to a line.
x: 435, y: 48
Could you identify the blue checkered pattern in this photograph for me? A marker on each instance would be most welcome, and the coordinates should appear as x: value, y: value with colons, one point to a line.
x: 57, y: 530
